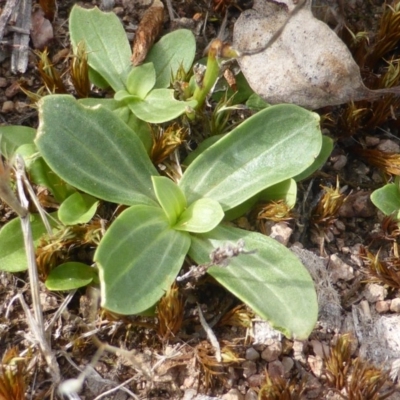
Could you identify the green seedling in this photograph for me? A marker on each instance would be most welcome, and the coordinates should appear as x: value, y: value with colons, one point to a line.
x: 142, y: 90
x: 99, y: 149
x: 143, y: 251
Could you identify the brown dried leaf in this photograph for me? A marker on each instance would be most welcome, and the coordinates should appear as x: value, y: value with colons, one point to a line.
x: 49, y: 7
x: 148, y: 30
x: 289, y: 56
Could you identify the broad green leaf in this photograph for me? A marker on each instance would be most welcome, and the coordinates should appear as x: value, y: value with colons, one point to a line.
x: 272, y: 146
x: 201, y: 216
x: 91, y: 149
x: 241, y: 209
x: 272, y: 281
x: 173, y: 51
x: 124, y: 96
x: 141, y: 128
x: 159, y: 106
x: 141, y: 80
x: 41, y: 173
x: 326, y: 150
x: 14, y: 136
x: 106, y: 43
x: 70, y: 275
x: 79, y: 208
x: 286, y: 190
x: 387, y: 199
x: 97, y: 79
x: 139, y: 258
x: 170, y: 197
x: 205, y: 144
x: 12, y: 249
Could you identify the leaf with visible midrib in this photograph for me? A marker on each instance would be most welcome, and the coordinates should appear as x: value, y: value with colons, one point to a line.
x: 93, y: 150
x: 272, y: 146
x: 272, y: 280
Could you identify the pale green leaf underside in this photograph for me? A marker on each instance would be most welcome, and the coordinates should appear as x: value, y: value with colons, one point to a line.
x: 106, y: 43
x: 138, y: 259
x: 170, y: 197
x: 272, y: 281
x: 91, y: 149
x: 274, y: 145
x: 159, y: 106
x: 141, y: 80
x: 201, y: 216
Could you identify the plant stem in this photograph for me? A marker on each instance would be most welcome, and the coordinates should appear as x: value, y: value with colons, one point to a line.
x: 211, y: 75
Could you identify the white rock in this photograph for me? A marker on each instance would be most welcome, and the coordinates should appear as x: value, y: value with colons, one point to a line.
x: 263, y: 332
x: 395, y: 305
x: 382, y: 306
x: 374, y: 292
x: 233, y: 394
x: 316, y: 364
x: 281, y: 232
x: 339, y: 269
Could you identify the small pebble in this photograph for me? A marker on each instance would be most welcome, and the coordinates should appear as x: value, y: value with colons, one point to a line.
x: 388, y: 146
x: 281, y: 232
x: 371, y: 141
x: 360, y: 169
x: 252, y: 354
x: 119, y: 11
x: 316, y: 364
x: 8, y: 106
x: 377, y: 177
x: 395, y: 305
x: 21, y: 106
x: 251, y: 395
x: 340, y: 162
x: 340, y: 225
x: 3, y: 82
x: 271, y: 353
x: 107, y: 5
x: 233, y: 394
x: 382, y: 306
x: 275, y: 369
x: 249, y: 368
x: 298, y: 351
x: 374, y: 292
x: 256, y: 380
x: 288, y: 364
x: 339, y: 269
x: 358, y: 205
x: 12, y: 90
